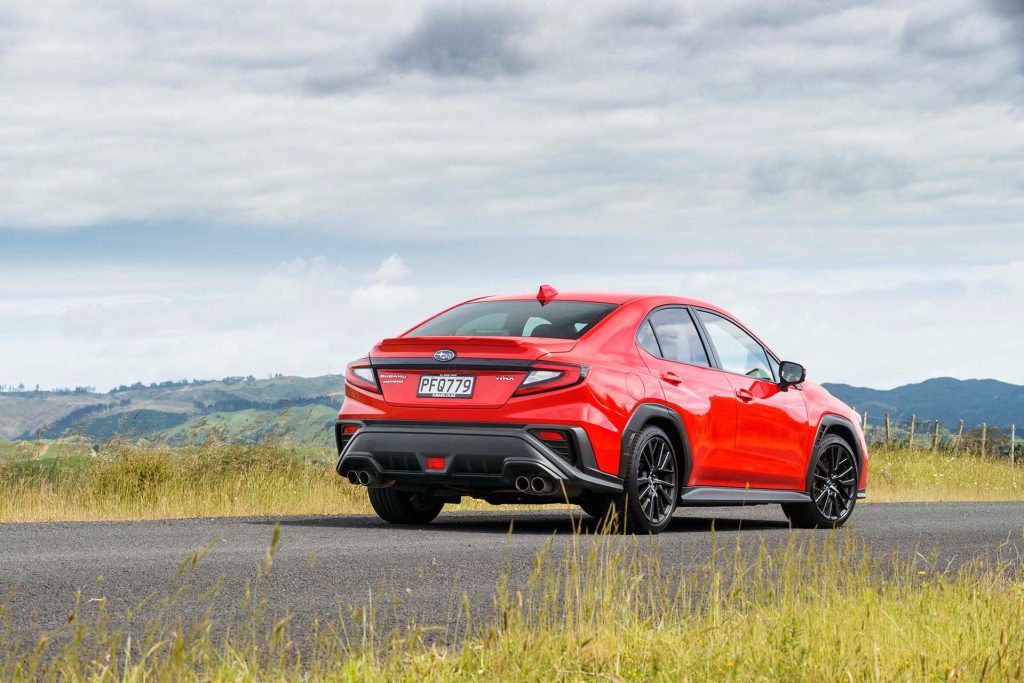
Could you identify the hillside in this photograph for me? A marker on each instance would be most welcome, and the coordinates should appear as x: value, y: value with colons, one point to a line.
x: 300, y: 407
x: 943, y: 398
x: 174, y: 409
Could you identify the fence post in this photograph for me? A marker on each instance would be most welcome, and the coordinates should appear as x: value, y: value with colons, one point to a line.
x: 935, y: 437
x: 888, y: 432
x: 959, y: 436
x: 984, y: 436
x: 864, y: 424
x: 1013, y: 443
x: 910, y: 439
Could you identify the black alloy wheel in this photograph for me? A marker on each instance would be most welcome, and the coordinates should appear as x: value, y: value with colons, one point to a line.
x: 652, y: 482
x: 832, y: 487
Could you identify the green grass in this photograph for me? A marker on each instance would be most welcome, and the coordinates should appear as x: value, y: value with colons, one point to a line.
x: 822, y: 608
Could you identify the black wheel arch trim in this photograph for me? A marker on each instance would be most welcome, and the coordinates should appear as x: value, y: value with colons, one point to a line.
x: 643, y: 414
x: 825, y: 426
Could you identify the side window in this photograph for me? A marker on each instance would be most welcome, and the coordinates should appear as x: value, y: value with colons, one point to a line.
x: 645, y: 338
x: 677, y: 336
x: 737, y: 351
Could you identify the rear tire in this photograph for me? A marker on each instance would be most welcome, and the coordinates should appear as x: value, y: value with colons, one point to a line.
x: 400, y: 507
x: 598, y: 505
x: 652, y: 483
x: 832, y: 485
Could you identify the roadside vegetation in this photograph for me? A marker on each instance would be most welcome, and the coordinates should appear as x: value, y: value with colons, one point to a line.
x: 595, y: 607
x: 132, y: 479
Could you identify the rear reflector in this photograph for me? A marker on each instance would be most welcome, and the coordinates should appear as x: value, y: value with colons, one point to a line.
x: 435, y: 463
x: 349, y: 429
x: 551, y: 436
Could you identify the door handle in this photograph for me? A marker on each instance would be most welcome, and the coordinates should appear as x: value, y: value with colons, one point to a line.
x: 671, y: 377
x: 744, y: 395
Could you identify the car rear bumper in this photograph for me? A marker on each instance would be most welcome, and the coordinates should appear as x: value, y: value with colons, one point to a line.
x: 479, y: 460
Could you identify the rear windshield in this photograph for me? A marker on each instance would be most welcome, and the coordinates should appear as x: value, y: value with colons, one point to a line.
x: 556, y: 320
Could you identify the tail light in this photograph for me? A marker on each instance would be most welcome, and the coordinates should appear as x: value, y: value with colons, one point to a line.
x: 361, y: 374
x: 550, y: 376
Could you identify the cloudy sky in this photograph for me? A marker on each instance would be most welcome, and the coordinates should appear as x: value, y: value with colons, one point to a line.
x: 207, y: 189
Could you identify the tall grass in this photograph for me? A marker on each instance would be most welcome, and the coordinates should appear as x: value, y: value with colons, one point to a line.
x: 133, y: 480
x: 127, y: 480
x: 902, y: 474
x: 600, y: 608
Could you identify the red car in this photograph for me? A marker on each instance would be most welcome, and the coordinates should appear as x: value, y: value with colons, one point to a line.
x: 612, y: 401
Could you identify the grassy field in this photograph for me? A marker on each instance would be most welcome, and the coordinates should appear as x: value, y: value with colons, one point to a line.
x: 65, y: 480
x: 821, y: 609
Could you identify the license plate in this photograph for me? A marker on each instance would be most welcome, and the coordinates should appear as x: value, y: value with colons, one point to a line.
x: 446, y: 386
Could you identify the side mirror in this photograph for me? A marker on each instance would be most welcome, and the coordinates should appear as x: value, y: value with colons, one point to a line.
x: 791, y: 373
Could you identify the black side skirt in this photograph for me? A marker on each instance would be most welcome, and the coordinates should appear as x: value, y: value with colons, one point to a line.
x: 697, y: 496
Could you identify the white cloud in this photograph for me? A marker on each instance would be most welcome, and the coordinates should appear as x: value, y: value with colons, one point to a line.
x: 392, y: 268
x: 847, y: 175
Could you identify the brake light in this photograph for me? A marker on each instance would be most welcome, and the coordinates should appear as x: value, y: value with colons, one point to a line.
x: 360, y: 374
x: 550, y: 376
x: 435, y: 463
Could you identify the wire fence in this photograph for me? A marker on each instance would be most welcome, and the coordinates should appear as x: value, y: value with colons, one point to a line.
x: 935, y: 435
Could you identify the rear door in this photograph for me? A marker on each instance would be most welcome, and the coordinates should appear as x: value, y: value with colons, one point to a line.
x: 770, y: 421
x: 673, y: 350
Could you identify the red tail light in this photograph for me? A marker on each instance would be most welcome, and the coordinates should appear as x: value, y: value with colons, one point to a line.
x: 545, y: 376
x: 361, y: 374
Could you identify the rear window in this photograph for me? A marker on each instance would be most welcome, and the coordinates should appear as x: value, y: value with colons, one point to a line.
x: 556, y: 320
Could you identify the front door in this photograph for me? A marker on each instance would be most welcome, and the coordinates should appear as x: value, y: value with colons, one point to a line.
x: 771, y: 421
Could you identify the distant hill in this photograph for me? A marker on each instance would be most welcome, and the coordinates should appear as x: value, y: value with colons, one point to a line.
x: 241, y: 406
x: 943, y: 398
x: 303, y: 407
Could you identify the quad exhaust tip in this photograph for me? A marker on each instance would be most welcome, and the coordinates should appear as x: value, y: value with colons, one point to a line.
x: 353, y: 477
x: 539, y: 485
x: 364, y: 477
x: 522, y: 484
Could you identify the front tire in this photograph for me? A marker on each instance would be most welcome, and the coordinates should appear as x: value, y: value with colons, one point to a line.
x: 832, y: 485
x: 400, y: 507
x: 652, y: 483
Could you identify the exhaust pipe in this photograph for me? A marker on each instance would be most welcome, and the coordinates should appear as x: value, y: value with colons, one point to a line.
x: 540, y: 485
x: 522, y: 484
x: 353, y: 477
x: 364, y: 477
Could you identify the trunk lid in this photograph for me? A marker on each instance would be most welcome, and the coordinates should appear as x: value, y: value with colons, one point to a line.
x: 491, y: 367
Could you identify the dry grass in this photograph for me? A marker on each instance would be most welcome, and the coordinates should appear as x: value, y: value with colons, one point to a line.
x: 820, y: 609
x: 902, y: 475
x: 128, y: 480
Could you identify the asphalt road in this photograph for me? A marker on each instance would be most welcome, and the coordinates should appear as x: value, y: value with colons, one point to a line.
x: 327, y: 564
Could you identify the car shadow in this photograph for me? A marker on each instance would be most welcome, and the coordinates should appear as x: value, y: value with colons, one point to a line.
x: 546, y: 524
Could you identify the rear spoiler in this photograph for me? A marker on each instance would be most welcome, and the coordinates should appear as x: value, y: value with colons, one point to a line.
x: 497, y: 344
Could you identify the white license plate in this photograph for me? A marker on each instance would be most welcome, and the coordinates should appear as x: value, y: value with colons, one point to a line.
x: 446, y: 386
